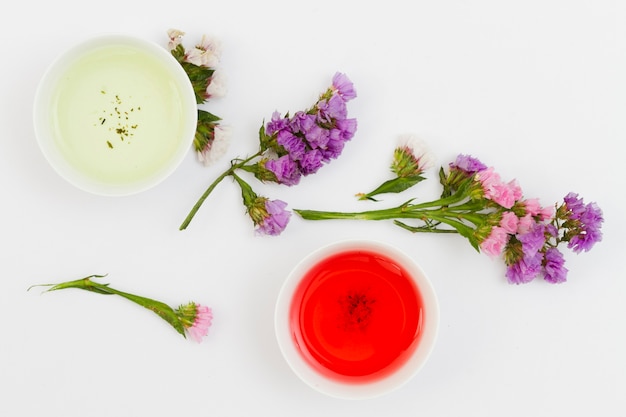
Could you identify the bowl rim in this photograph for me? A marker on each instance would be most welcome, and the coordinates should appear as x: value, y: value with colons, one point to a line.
x: 378, y: 387
x: 42, y: 109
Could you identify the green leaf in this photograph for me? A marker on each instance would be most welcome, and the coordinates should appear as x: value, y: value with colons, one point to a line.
x: 207, y: 117
x: 179, y: 53
x: 248, y: 195
x: 395, y: 185
x: 423, y: 228
x: 264, y: 139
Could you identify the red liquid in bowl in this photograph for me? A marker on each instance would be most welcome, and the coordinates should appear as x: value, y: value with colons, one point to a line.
x: 356, y: 316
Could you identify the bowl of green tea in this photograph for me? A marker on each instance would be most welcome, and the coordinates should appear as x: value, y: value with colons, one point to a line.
x: 115, y: 115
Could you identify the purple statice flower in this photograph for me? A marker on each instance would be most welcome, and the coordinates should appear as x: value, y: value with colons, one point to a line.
x: 468, y: 164
x: 302, y: 122
x: 551, y: 230
x: 553, y: 269
x: 585, y: 240
x: 291, y: 143
x: 285, y: 169
x: 333, y: 149
x: 277, y: 124
x: 324, y: 128
x: 574, y: 204
x: 316, y: 136
x: 311, y: 162
x: 344, y: 129
x: 276, y: 220
x: 533, y: 240
x: 529, y: 264
x: 343, y: 132
x: 585, y: 222
x: 331, y: 109
x: 524, y: 270
x: 343, y: 86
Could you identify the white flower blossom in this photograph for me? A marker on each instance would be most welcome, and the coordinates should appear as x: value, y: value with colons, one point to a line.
x: 218, y: 147
x: 205, y: 54
x: 176, y: 37
x: 420, y: 150
x: 217, y: 86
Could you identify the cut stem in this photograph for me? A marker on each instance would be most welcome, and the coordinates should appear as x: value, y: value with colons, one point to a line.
x: 208, y: 191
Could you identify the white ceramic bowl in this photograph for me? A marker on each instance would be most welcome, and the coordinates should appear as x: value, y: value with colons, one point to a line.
x: 290, y: 339
x: 115, y: 115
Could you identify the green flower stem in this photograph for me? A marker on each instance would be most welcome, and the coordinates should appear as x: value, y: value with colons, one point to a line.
x: 208, y: 191
x: 457, y: 219
x: 401, y: 212
x: 161, y: 309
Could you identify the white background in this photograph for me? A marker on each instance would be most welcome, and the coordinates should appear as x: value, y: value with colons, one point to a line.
x: 535, y: 88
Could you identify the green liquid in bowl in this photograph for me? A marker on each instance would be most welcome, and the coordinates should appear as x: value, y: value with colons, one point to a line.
x: 119, y: 117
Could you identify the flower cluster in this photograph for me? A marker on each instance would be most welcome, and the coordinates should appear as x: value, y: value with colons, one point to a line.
x: 291, y: 147
x: 191, y: 318
x: 491, y: 213
x: 211, y: 139
x: 299, y: 145
x: 522, y: 231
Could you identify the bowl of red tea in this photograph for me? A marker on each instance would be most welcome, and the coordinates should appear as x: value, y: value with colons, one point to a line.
x: 356, y: 319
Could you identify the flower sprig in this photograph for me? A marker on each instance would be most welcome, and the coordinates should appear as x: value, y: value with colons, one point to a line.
x: 212, y: 138
x: 411, y: 158
x: 491, y: 214
x: 188, y: 319
x: 291, y: 147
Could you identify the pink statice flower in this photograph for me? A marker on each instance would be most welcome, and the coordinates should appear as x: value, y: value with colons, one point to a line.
x: 509, y: 222
x: 504, y: 194
x: 196, y: 319
x: 495, y: 242
x: 532, y: 206
x: 489, y: 179
x: 546, y: 213
x: 525, y: 223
